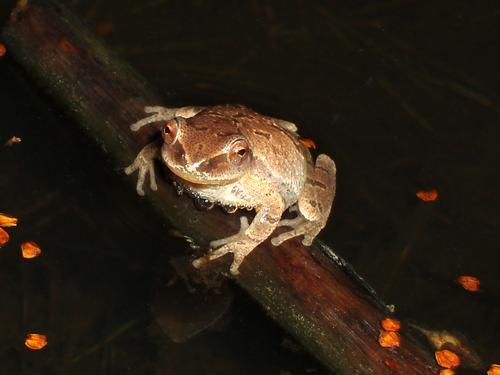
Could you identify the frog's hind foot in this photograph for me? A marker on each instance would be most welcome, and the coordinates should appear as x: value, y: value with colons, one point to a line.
x: 300, y: 226
x: 144, y: 163
x: 238, y: 244
x: 243, y: 227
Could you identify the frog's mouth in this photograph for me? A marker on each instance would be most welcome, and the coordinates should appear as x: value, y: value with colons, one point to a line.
x: 194, y: 176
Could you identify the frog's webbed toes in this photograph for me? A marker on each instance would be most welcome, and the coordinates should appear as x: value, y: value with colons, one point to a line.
x: 300, y: 226
x: 239, y: 249
x: 243, y: 227
x: 238, y: 244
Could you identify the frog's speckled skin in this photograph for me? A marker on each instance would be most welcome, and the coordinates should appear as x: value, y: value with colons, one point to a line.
x: 233, y: 156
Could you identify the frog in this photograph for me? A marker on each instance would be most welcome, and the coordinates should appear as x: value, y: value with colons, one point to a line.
x: 235, y: 157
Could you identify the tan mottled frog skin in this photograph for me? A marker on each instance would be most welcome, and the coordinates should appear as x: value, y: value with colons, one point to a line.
x: 233, y: 156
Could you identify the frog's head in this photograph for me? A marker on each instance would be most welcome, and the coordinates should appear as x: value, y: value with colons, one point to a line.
x: 205, y: 149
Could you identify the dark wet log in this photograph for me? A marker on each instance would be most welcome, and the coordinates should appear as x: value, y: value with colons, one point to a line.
x: 315, y: 298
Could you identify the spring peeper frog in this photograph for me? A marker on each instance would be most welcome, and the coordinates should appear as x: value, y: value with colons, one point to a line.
x: 233, y: 156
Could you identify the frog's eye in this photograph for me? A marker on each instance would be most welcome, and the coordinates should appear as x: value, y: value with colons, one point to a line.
x: 169, y: 131
x: 238, y: 152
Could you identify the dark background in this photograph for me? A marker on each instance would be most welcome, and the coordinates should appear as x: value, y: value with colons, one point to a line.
x: 404, y: 95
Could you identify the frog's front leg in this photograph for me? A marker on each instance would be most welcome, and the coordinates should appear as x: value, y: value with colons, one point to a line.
x: 144, y: 163
x: 314, y: 204
x: 250, y: 236
x: 164, y: 114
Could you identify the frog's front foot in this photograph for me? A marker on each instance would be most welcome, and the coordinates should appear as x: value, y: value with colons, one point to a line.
x: 144, y: 163
x: 239, y: 244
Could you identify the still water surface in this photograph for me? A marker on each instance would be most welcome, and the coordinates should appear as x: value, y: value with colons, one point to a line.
x: 402, y: 94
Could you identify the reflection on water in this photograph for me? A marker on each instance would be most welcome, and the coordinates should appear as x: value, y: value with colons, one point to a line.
x: 404, y: 96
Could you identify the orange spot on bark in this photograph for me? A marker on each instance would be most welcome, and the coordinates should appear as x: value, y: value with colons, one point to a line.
x: 4, y: 237
x: 68, y: 47
x: 447, y: 371
x: 35, y: 341
x: 469, y: 283
x: 309, y: 143
x: 427, y: 196
x: 3, y: 50
x: 105, y: 28
x: 388, y: 339
x: 391, y: 325
x: 494, y: 370
x: 7, y: 221
x: 447, y: 359
x: 30, y: 250
x: 391, y: 363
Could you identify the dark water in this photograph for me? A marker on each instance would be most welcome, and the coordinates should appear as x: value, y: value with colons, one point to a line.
x: 404, y: 95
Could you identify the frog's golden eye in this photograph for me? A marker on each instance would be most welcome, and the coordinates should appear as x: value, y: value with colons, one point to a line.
x: 169, y: 131
x: 238, y: 152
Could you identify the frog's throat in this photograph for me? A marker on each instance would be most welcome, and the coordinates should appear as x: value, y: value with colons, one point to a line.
x: 184, y: 186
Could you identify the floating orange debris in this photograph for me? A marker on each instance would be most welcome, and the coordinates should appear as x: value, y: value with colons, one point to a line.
x: 3, y: 50
x: 447, y: 371
x: 30, y: 250
x: 469, y: 283
x: 35, y: 341
x: 447, y: 359
x: 13, y: 140
x: 494, y: 370
x: 4, y: 237
x: 388, y: 339
x: 391, y: 325
x: 7, y: 221
x: 309, y: 143
x: 427, y: 196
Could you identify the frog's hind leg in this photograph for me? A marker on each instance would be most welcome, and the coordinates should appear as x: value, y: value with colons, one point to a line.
x: 248, y: 237
x: 164, y: 114
x: 314, y: 204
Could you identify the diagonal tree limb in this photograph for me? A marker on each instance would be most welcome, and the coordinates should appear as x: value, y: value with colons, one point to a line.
x: 319, y: 301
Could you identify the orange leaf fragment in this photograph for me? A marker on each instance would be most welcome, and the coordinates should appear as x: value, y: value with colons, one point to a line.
x: 3, y: 50
x: 4, y: 237
x: 494, y: 370
x: 7, y: 221
x: 428, y: 196
x: 388, y: 339
x: 13, y: 140
x: 447, y: 359
x: 309, y: 143
x: 447, y: 371
x: 469, y: 283
x: 30, y: 250
x: 391, y: 325
x: 35, y: 341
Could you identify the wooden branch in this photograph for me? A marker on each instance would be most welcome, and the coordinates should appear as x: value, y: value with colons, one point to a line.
x: 316, y: 300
